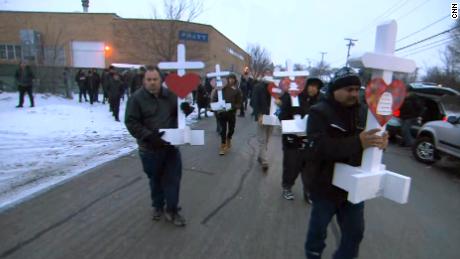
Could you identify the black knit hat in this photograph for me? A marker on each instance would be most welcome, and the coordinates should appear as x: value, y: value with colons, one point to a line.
x: 344, y: 77
x: 315, y: 81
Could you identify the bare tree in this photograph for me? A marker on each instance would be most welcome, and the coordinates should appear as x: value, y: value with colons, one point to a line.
x: 260, y: 60
x: 160, y: 35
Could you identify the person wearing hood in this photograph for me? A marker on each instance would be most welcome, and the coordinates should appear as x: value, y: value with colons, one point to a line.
x: 294, y: 158
x: 335, y: 134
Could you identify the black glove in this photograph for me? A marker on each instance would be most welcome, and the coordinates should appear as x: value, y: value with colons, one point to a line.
x: 186, y: 108
x: 156, y: 141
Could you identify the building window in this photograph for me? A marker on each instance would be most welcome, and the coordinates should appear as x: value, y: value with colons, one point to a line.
x: 18, y: 51
x: 10, y: 51
x: 2, y: 51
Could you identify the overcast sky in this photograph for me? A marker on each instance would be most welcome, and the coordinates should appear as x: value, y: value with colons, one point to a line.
x: 297, y: 29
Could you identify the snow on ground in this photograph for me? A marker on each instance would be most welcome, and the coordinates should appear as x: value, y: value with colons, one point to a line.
x: 54, y: 141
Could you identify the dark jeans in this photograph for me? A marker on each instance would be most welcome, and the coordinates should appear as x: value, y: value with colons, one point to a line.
x: 164, y: 170
x: 350, y: 218
x: 82, y: 92
x: 114, y: 103
x: 293, y: 164
x: 22, y: 91
x: 406, y: 124
x: 244, y: 105
x: 226, y: 119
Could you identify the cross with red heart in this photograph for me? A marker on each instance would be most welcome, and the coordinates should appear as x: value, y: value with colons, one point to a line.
x: 182, y: 85
x: 274, y: 91
x: 384, y: 99
x: 286, y: 84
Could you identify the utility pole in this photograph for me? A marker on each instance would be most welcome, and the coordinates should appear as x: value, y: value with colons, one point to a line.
x: 85, y: 4
x: 321, y: 65
x: 350, y: 44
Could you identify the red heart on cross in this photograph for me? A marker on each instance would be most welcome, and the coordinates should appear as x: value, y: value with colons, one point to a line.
x: 384, y: 99
x: 182, y: 85
x: 286, y: 84
x: 274, y: 91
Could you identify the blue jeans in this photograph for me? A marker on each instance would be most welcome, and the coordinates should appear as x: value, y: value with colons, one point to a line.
x: 350, y: 218
x: 164, y: 170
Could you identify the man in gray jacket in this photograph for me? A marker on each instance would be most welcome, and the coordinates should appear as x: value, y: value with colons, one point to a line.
x: 149, y: 109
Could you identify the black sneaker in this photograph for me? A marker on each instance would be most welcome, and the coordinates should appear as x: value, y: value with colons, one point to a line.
x: 288, y: 195
x: 175, y: 218
x: 157, y: 213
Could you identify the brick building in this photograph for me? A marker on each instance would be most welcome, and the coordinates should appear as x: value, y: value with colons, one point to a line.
x: 100, y: 39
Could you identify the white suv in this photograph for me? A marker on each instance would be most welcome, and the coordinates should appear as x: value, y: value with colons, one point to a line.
x: 438, y: 138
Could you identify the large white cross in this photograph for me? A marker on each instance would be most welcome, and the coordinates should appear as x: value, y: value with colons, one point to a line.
x: 271, y: 119
x: 183, y: 134
x: 220, y: 104
x: 298, y: 125
x: 371, y: 180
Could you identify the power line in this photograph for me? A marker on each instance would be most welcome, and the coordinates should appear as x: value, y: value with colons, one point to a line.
x: 429, y: 25
x: 411, y: 11
x: 428, y: 45
x: 420, y: 41
x: 422, y: 50
x: 381, y: 16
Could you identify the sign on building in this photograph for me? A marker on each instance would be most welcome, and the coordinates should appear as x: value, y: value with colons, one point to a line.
x: 195, y: 36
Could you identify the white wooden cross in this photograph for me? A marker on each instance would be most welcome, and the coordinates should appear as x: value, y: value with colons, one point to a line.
x: 183, y: 134
x: 371, y: 179
x: 220, y: 104
x: 271, y: 119
x: 298, y: 125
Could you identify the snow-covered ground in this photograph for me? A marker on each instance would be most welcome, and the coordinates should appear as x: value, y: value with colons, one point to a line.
x: 54, y: 141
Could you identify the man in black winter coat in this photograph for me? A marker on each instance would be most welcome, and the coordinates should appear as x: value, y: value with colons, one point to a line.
x: 294, y: 155
x: 24, y: 79
x: 246, y: 85
x: 149, y: 109
x: 335, y: 134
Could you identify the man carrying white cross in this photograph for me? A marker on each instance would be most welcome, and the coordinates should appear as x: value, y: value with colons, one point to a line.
x: 335, y: 133
x: 294, y: 157
x: 149, y: 109
x: 261, y: 102
x: 227, y: 118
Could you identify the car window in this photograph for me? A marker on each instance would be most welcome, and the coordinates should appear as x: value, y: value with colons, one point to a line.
x: 451, y: 105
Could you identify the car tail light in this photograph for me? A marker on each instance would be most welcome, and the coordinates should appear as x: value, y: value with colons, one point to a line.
x: 397, y: 113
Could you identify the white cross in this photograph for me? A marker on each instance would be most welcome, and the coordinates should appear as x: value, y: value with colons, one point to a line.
x: 181, y: 63
x: 183, y: 134
x: 371, y: 180
x: 271, y: 119
x: 298, y: 125
x: 220, y: 104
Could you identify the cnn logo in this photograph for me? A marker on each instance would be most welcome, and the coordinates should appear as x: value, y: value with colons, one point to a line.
x: 454, y: 10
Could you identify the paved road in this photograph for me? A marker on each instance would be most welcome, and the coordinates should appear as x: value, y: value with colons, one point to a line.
x: 233, y: 211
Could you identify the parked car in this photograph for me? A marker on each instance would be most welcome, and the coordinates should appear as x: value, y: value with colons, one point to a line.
x: 438, y: 138
x: 433, y: 98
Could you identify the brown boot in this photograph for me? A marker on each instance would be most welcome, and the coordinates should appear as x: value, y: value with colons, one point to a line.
x: 222, y: 149
x: 229, y: 143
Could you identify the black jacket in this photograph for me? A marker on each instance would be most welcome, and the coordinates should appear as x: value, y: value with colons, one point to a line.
x: 260, y: 100
x: 411, y: 108
x: 287, y: 113
x: 246, y: 86
x: 333, y: 133
x: 145, y: 114
x: 24, y: 77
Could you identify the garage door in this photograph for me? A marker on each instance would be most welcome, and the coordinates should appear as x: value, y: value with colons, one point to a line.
x: 88, y: 54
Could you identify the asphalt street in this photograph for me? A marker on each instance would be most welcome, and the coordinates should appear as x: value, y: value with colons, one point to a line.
x: 233, y: 209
